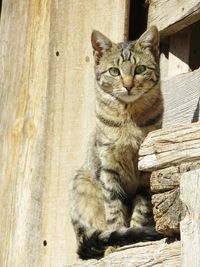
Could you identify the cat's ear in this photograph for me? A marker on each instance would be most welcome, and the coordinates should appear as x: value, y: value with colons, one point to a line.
x: 100, y: 43
x: 150, y: 39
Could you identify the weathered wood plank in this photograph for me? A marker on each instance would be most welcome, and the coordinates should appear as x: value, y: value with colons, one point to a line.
x: 169, y: 178
x: 179, y: 53
x: 46, y: 103
x: 157, y: 253
x: 168, y: 209
x: 182, y: 99
x: 164, y: 59
x: 71, y: 102
x: 24, y: 31
x: 171, y: 146
x: 190, y: 225
x: 172, y: 16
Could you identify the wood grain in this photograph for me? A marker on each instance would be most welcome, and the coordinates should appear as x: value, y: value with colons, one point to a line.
x: 168, y: 209
x: 169, y: 178
x: 190, y: 226
x: 174, y: 15
x: 179, y: 52
x: 157, y: 253
x: 171, y: 146
x: 23, y: 83
x: 164, y: 64
x: 46, y: 112
x: 182, y: 99
x: 71, y: 107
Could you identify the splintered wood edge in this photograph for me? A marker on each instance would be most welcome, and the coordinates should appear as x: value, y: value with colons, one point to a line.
x: 166, y: 147
x: 174, y: 170
x: 169, y: 135
x: 165, y: 185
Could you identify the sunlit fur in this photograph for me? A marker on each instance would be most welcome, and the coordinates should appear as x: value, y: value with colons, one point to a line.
x: 107, y: 193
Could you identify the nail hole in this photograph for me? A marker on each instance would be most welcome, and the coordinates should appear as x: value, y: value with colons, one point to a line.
x: 57, y: 53
x: 44, y: 243
x: 87, y: 59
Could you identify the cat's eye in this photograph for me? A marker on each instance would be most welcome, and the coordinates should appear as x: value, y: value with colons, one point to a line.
x: 140, y: 69
x: 114, y: 71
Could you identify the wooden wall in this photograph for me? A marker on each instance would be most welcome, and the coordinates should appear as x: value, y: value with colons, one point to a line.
x: 46, y: 114
x: 179, y: 26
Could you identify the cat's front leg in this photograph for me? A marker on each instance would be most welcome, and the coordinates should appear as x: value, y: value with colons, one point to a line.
x: 115, y: 210
x: 142, y: 210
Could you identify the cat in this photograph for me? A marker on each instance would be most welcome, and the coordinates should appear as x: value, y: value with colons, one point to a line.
x: 110, y: 200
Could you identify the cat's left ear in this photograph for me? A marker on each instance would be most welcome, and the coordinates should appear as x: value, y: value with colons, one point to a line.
x: 150, y: 39
x: 100, y: 44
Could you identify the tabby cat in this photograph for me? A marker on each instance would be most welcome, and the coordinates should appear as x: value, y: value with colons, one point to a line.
x: 110, y: 200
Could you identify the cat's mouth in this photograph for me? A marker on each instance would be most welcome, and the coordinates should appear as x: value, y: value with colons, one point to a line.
x: 129, y: 95
x: 129, y: 92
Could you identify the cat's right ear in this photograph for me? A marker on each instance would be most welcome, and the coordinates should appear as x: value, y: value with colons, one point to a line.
x: 100, y: 44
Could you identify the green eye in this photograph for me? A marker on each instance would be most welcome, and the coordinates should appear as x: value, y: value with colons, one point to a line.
x: 114, y: 71
x: 139, y: 69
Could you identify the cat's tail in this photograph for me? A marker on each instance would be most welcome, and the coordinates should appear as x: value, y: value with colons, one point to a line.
x: 95, y: 245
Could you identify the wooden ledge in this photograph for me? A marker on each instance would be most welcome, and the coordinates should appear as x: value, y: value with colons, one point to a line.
x: 157, y: 253
x: 170, y: 147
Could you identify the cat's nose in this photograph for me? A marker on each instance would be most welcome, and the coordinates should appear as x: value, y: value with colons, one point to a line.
x: 128, y: 87
x: 128, y: 83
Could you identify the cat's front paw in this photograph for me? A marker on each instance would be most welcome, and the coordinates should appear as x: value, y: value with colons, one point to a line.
x: 142, y: 212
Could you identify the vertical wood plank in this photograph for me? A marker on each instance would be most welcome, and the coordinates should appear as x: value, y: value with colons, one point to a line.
x: 179, y: 53
x: 164, y: 58
x: 71, y: 105
x: 190, y: 225
x: 182, y: 99
x: 24, y: 30
x: 47, y: 113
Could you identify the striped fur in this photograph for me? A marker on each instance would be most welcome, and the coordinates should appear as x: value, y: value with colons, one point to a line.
x: 110, y: 200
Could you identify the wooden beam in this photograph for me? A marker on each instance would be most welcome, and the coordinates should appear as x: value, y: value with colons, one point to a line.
x: 166, y: 147
x: 190, y: 225
x: 157, y: 253
x: 172, y: 16
x: 182, y: 99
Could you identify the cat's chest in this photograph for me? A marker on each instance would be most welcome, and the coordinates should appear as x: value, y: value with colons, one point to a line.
x: 128, y: 135
x: 119, y: 151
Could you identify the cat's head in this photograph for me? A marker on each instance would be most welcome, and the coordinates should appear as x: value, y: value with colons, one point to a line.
x: 127, y: 70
